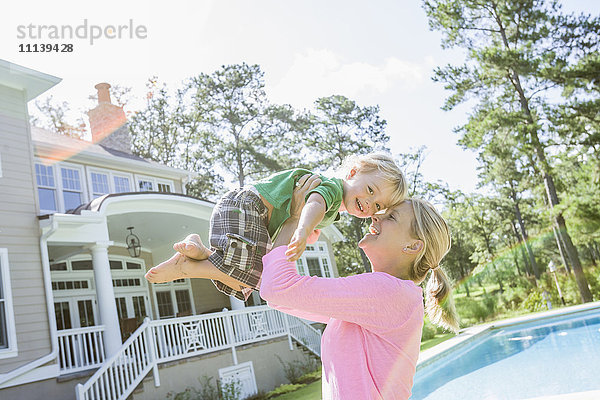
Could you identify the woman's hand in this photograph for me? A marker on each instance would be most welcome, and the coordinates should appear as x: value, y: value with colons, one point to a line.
x: 305, y: 184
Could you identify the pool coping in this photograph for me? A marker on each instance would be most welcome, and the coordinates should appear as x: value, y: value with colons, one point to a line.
x: 472, y: 333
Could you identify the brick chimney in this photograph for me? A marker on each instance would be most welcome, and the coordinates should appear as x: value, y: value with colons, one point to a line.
x: 108, y: 122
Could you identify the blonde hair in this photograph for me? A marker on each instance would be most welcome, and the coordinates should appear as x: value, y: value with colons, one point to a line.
x: 431, y: 228
x: 386, y: 168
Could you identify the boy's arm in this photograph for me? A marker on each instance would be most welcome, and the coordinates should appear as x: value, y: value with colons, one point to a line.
x: 312, y: 213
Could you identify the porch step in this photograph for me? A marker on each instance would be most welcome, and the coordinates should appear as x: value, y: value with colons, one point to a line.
x: 76, y: 375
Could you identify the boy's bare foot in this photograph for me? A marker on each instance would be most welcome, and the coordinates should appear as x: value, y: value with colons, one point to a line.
x: 192, y: 247
x: 167, y: 271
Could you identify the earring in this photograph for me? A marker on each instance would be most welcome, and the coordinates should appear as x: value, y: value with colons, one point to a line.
x: 405, y: 248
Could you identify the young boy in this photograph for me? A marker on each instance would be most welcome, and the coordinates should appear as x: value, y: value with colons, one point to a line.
x: 245, y: 220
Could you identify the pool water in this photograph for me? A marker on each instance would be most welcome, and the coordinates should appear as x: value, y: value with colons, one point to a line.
x: 548, y: 357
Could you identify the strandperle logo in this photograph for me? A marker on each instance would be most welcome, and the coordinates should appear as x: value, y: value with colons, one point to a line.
x: 83, y: 31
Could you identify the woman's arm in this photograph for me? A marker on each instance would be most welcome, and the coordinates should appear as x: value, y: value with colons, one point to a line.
x: 376, y: 301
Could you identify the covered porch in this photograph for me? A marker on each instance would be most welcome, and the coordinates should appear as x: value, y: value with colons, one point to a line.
x: 99, y: 291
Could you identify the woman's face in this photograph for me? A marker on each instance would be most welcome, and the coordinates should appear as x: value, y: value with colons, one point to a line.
x: 389, y: 243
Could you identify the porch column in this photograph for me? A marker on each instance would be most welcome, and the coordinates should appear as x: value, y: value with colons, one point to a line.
x: 106, y: 298
x: 236, y: 304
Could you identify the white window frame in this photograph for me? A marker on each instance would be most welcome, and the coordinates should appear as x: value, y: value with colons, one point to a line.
x: 164, y: 182
x: 12, y: 349
x: 155, y: 181
x: 58, y: 186
x: 82, y: 181
x: 90, y: 182
x: 139, y: 178
x: 114, y: 175
x: 128, y: 292
x: 111, y: 179
x: 74, y: 295
x: 57, y: 194
x: 172, y: 287
x: 318, y: 250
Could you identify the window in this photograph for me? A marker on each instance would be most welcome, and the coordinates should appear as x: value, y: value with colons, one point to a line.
x: 121, y: 307
x: 121, y: 184
x: 44, y: 176
x: 115, y: 264
x: 132, y: 265
x: 99, y: 184
x: 300, y: 267
x: 58, y: 266
x: 165, y: 304
x: 145, y: 186
x: 129, y: 282
x: 151, y: 184
x: 8, y: 336
x: 314, y: 268
x: 63, y: 316
x: 70, y: 285
x: 72, y: 188
x: 86, y: 313
x: 82, y: 265
x: 326, y: 268
x: 139, y: 307
x: 184, y: 305
x: 315, y: 261
x: 164, y: 188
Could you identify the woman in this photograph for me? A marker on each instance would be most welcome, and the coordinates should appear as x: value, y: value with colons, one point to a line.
x: 374, y: 321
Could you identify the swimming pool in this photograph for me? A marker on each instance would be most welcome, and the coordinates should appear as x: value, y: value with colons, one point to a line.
x: 554, y: 355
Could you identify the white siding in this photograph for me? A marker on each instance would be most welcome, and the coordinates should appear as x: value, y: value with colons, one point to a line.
x: 19, y: 231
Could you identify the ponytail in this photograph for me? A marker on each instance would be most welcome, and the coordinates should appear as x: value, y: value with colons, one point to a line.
x: 431, y: 228
x: 439, y: 304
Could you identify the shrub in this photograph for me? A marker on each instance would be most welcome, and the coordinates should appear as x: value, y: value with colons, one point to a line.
x: 512, y: 298
x: 473, y: 311
x: 283, y: 389
x: 429, y: 331
x: 535, y: 301
x: 209, y: 391
x: 310, y: 377
x: 294, y: 370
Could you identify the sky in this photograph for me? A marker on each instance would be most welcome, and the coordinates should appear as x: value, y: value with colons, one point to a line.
x: 377, y: 53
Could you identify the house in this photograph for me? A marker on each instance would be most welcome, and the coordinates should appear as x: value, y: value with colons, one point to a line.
x: 80, y: 224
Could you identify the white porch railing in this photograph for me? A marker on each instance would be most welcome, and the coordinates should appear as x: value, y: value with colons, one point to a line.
x: 80, y: 349
x: 171, y: 339
x: 305, y: 334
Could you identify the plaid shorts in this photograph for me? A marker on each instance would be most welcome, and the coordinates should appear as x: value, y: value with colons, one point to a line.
x: 240, y: 239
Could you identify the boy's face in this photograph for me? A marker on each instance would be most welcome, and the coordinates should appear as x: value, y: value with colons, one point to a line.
x: 365, y: 193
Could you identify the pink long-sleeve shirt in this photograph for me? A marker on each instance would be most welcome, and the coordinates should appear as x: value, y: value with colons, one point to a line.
x: 374, y: 321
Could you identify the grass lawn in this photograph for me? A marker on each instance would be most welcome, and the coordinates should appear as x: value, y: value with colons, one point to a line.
x: 436, y: 340
x: 475, y: 291
x: 309, y: 392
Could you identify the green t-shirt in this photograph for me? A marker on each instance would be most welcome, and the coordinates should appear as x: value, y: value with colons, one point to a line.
x: 277, y: 189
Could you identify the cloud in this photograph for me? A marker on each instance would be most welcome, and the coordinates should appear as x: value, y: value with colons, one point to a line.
x: 318, y: 73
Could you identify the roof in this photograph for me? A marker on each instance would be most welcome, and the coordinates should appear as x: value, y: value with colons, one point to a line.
x: 53, y: 145
x: 96, y: 204
x: 31, y: 81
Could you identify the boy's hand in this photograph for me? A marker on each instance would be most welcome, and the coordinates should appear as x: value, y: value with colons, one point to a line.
x: 313, y: 237
x: 297, y: 245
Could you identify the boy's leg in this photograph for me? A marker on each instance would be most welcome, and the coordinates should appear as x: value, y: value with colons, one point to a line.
x: 180, y: 266
x: 192, y: 247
